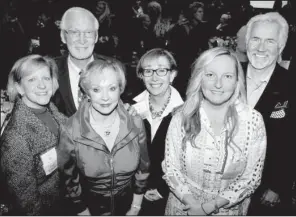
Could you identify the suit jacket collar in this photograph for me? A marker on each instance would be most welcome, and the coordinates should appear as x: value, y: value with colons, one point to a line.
x: 272, y: 88
x: 64, y: 84
x: 64, y: 81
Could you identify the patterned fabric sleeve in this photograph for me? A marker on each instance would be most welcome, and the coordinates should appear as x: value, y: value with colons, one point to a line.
x: 69, y: 172
x: 171, y: 164
x: 247, y: 182
x: 142, y: 174
x: 18, y: 167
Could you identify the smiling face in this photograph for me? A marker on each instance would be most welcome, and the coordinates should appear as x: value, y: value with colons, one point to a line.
x: 263, y: 47
x: 36, y: 88
x: 80, y: 46
x: 219, y: 80
x: 104, y: 91
x: 158, y: 85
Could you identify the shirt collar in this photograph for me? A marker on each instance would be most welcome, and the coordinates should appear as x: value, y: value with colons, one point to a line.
x: 142, y: 105
x: 239, y: 106
x: 74, y: 67
x: 251, y: 75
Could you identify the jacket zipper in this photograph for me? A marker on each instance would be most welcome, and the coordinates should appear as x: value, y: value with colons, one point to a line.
x: 112, y: 185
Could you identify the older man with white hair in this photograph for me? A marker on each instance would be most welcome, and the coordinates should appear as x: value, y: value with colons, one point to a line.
x: 268, y: 92
x: 79, y: 31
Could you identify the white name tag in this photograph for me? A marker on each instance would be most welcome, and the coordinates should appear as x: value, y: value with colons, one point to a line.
x: 49, y: 160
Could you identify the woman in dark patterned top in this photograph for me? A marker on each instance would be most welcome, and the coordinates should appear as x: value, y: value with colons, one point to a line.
x: 28, y: 144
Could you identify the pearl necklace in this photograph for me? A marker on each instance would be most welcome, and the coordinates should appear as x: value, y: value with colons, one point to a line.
x: 156, y: 114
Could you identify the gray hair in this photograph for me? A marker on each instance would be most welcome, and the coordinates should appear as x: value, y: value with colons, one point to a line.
x: 272, y: 17
x: 80, y: 10
x: 27, y: 65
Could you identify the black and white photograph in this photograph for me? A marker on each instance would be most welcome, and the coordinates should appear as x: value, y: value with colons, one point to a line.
x: 147, y: 107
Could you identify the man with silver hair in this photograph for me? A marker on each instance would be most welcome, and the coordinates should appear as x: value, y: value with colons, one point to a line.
x: 267, y: 92
x: 79, y: 31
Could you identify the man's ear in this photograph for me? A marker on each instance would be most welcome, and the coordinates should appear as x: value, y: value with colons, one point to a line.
x: 62, y: 34
x: 97, y: 36
x: 281, y: 50
x: 173, y: 75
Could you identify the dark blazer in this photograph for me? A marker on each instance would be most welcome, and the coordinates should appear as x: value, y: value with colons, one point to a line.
x: 156, y: 150
x: 278, y: 166
x: 63, y: 97
x: 24, y: 139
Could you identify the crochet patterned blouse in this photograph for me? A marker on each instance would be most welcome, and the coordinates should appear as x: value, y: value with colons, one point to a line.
x: 214, y: 168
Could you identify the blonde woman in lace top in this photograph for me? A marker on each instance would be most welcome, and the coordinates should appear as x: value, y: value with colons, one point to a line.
x: 215, y: 145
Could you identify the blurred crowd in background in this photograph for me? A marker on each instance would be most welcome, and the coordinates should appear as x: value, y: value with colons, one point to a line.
x: 129, y: 28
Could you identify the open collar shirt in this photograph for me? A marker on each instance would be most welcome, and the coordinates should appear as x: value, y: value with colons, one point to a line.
x: 256, y: 88
x: 74, y: 75
x: 142, y: 107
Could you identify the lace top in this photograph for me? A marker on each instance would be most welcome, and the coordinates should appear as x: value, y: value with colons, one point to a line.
x: 213, y: 168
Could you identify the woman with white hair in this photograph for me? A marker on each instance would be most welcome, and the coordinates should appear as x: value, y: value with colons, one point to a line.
x: 215, y: 145
x: 28, y: 144
x: 102, y: 152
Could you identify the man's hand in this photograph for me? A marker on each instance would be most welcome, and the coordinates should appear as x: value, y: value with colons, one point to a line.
x: 270, y: 198
x: 131, y: 110
x: 85, y: 212
x: 152, y: 195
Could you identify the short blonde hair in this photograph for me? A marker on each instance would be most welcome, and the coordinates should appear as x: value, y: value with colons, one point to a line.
x: 27, y: 65
x: 155, y: 54
x: 98, y: 66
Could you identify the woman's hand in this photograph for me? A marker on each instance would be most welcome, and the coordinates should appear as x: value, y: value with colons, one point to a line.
x: 130, y: 109
x: 192, y: 206
x: 152, y: 195
x: 133, y: 211
x: 194, y: 209
x: 85, y: 212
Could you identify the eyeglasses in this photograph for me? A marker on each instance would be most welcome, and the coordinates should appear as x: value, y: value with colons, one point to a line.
x: 76, y: 34
x: 159, y: 72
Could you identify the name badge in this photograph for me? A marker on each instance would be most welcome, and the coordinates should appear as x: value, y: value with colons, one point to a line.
x: 49, y: 160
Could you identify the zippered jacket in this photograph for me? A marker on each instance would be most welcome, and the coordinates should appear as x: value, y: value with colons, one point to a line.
x: 89, y: 169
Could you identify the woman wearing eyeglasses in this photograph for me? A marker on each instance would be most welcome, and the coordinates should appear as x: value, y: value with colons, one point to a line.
x: 157, y: 69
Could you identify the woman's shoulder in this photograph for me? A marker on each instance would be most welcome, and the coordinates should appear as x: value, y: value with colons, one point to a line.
x: 248, y: 112
x: 57, y: 114
x: 177, y: 115
x: 137, y: 120
x: 12, y: 134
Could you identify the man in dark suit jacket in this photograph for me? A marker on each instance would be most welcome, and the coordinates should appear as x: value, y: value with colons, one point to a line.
x: 268, y: 92
x: 79, y: 31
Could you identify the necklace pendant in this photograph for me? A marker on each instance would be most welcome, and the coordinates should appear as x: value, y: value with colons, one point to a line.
x: 107, y: 133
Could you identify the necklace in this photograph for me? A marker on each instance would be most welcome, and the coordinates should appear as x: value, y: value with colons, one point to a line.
x: 156, y: 114
x: 106, y: 129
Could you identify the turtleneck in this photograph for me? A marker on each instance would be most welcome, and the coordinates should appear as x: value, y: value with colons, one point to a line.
x: 46, y: 117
